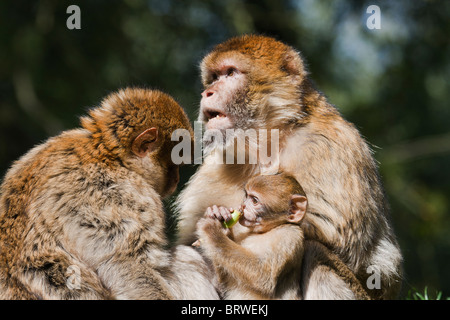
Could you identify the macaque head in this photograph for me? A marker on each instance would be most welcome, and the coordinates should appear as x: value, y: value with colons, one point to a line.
x: 136, y: 125
x: 251, y: 82
x: 272, y: 200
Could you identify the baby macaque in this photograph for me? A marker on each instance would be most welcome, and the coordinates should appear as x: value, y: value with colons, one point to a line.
x: 264, y: 260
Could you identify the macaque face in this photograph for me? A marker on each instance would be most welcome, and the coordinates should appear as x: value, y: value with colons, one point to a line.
x: 252, y: 210
x: 263, y: 209
x: 223, y: 103
x: 250, y: 82
x: 257, y: 216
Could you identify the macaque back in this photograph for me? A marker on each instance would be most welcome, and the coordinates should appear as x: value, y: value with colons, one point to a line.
x: 81, y: 215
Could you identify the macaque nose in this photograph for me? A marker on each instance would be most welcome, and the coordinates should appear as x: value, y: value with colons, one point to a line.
x: 207, y: 93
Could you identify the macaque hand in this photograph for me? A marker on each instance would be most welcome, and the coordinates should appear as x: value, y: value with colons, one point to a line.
x: 210, y: 230
x: 219, y: 212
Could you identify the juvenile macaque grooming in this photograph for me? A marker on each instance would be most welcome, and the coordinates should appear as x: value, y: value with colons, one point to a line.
x: 81, y: 215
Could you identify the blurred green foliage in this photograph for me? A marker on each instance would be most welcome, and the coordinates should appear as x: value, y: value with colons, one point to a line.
x: 393, y: 83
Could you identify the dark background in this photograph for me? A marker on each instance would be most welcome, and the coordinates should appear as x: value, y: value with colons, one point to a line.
x: 393, y: 83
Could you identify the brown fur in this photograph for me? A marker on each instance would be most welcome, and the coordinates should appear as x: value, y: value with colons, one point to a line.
x: 84, y: 199
x: 321, y: 258
x: 265, y: 261
x: 276, y: 190
x: 348, y: 211
x: 255, y: 265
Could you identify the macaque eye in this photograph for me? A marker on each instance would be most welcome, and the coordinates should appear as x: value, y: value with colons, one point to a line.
x: 214, y: 77
x: 231, y: 72
x: 254, y: 199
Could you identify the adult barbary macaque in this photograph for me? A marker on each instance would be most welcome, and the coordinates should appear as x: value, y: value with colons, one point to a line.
x: 81, y: 215
x: 256, y: 82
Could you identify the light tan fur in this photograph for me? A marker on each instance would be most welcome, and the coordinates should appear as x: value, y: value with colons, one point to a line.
x: 255, y: 266
x: 263, y: 260
x: 83, y: 201
x: 348, y: 210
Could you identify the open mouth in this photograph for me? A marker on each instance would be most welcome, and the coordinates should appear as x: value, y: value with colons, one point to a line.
x: 216, y: 119
x: 213, y: 114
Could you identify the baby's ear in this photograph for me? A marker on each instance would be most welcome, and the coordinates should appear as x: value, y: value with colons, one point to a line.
x: 297, y: 212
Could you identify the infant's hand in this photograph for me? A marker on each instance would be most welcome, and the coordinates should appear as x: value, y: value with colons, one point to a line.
x: 220, y: 213
x: 208, y: 229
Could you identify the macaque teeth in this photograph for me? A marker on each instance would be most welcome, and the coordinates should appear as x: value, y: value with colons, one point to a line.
x: 215, y: 114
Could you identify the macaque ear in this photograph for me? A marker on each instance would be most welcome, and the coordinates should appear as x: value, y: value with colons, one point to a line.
x: 292, y: 63
x: 145, y: 142
x: 298, y: 208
